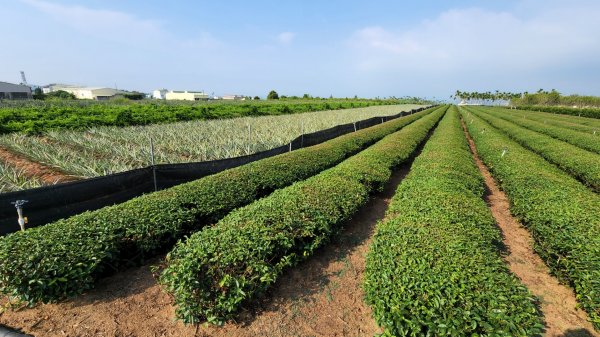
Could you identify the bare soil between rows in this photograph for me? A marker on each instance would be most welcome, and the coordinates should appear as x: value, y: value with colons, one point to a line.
x: 322, y: 296
x: 33, y: 169
x: 557, y: 301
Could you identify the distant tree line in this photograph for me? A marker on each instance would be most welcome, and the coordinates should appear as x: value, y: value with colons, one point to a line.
x: 485, y: 98
x: 555, y: 98
x: 273, y: 95
x: 540, y: 97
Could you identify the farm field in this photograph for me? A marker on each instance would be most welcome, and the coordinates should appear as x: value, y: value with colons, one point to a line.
x: 270, y: 248
x: 587, y: 141
x: 12, y: 179
x: 99, y: 151
x: 579, y: 112
x: 36, y: 116
x: 581, y: 163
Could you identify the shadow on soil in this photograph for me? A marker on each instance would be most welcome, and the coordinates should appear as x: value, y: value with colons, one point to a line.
x: 577, y: 333
x: 311, y: 277
x: 126, y: 283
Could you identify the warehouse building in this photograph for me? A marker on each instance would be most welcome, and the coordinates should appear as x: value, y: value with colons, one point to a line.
x: 14, y: 91
x: 234, y: 97
x: 159, y: 93
x: 95, y: 93
x: 186, y: 95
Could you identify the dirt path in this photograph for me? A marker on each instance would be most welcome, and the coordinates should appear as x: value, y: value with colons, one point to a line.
x: 32, y: 169
x: 320, y: 297
x: 558, y: 303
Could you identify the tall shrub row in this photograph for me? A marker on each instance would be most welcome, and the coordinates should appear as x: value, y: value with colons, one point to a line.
x: 219, y: 268
x: 560, y: 212
x: 585, y: 141
x: 66, y: 257
x: 582, y: 164
x: 434, y: 267
x: 583, y: 112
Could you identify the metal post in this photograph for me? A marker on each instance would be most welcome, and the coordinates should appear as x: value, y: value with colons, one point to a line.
x: 249, y: 138
x: 381, y: 120
x: 19, y: 206
x: 152, y: 163
x: 301, y: 133
x: 354, y: 126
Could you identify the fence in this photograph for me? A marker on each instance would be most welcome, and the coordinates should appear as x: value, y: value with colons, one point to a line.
x: 50, y: 203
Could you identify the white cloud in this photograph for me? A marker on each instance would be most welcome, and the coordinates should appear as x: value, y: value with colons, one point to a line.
x: 464, y: 40
x: 101, y: 23
x: 286, y: 37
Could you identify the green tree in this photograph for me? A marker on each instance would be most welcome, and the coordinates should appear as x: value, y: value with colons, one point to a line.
x: 273, y: 95
x: 60, y: 94
x: 256, y: 98
x: 38, y: 94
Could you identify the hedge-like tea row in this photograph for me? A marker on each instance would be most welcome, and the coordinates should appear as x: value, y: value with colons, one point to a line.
x: 65, y: 258
x: 588, y: 142
x: 434, y: 268
x: 217, y: 269
x: 585, y: 112
x: 580, y: 163
x: 561, y: 213
x: 588, y: 126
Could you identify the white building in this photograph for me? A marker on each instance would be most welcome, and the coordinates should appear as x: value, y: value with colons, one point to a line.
x: 159, y: 93
x: 186, y: 95
x: 14, y: 91
x: 95, y: 93
x: 234, y: 97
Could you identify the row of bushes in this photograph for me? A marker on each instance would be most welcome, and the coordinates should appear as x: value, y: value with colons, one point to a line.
x: 36, y: 119
x: 561, y: 213
x: 580, y: 163
x: 434, y: 267
x: 585, y: 141
x: 219, y: 268
x: 582, y: 112
x: 65, y: 258
x: 564, y: 121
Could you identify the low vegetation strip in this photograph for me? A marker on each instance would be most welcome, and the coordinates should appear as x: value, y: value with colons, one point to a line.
x: 588, y: 142
x: 65, y: 258
x: 104, y: 150
x: 561, y: 213
x: 36, y: 117
x: 12, y: 179
x: 219, y: 268
x: 582, y: 164
x: 434, y: 267
x: 583, y: 112
x: 568, y: 122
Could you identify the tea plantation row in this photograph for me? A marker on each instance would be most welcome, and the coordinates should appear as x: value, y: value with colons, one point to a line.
x: 219, y: 268
x: 582, y: 164
x: 561, y: 213
x: 66, y: 257
x: 585, y: 112
x: 587, y: 141
x: 434, y: 267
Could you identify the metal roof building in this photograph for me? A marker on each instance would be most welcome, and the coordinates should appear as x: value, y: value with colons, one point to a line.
x: 14, y: 91
x: 96, y: 93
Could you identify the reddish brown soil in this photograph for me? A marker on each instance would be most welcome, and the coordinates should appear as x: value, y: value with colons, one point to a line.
x: 320, y: 297
x: 558, y: 303
x: 32, y: 169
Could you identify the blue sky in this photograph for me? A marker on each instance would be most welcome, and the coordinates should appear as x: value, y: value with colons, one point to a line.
x: 340, y: 48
